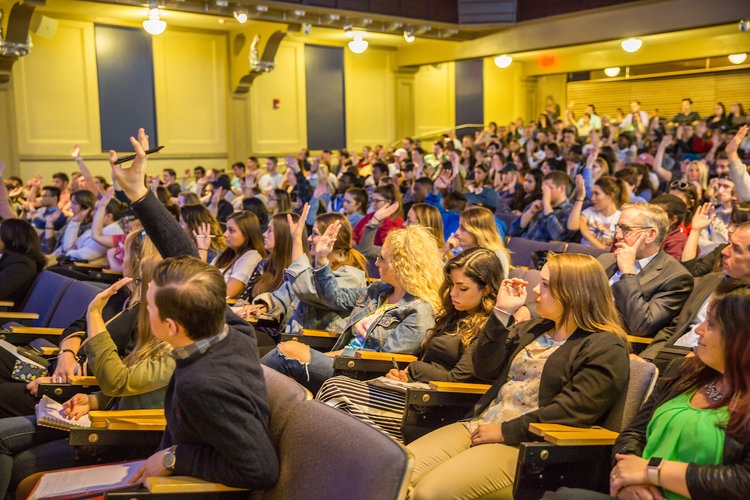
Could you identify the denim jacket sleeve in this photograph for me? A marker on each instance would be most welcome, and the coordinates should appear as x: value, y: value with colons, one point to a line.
x: 367, y: 244
x: 413, y: 322
x: 331, y: 295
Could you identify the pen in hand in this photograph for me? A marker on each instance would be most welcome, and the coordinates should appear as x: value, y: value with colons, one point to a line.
x: 395, y: 365
x: 123, y: 159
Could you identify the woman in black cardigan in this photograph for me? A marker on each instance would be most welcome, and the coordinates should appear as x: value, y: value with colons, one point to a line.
x: 568, y: 368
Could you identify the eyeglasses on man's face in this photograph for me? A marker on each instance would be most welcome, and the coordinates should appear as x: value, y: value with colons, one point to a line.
x: 625, y: 230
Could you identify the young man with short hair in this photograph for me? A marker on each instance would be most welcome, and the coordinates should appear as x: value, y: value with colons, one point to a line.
x: 216, y: 404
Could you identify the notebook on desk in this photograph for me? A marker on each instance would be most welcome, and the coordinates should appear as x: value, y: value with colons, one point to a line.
x: 49, y: 413
x: 85, y: 482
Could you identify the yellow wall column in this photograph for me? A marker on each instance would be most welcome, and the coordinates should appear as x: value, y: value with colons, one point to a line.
x: 504, y: 97
x: 370, y: 101
x: 435, y: 99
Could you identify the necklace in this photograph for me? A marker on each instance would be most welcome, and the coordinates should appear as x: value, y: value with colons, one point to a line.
x: 712, y: 393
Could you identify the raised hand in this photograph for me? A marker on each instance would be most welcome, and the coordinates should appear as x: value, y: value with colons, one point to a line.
x: 291, y: 162
x: 324, y: 246
x: 315, y: 165
x: 203, y: 236
x: 512, y: 295
x: 321, y: 188
x: 703, y: 216
x: 580, y: 190
x: 75, y: 153
x: 734, y: 144
x: 130, y: 178
x: 297, y: 228
x: 52, y: 217
x: 444, y: 179
x: 102, y: 297
x: 385, y: 213
x: 81, y: 216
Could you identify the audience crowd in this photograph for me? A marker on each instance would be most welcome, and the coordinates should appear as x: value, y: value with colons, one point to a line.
x: 409, y: 250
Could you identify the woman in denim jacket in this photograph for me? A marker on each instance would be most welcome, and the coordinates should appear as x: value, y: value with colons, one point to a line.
x: 296, y: 303
x: 391, y: 315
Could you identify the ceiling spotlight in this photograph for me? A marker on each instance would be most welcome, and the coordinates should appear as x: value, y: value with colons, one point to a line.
x: 737, y: 58
x: 631, y: 44
x: 240, y: 13
x: 503, y: 61
x: 358, y: 44
x: 154, y: 25
x: 348, y: 31
x: 333, y: 17
x: 394, y: 26
x: 451, y: 32
x: 366, y: 21
x: 409, y: 36
x: 422, y: 30
x: 222, y: 3
x: 299, y: 13
x: 612, y: 72
x: 261, y: 8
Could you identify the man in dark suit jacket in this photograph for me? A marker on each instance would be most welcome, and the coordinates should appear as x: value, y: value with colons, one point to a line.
x: 736, y: 264
x: 649, y: 285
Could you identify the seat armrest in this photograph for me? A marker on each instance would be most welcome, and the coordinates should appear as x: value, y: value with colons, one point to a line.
x: 319, y: 333
x: 634, y: 339
x: 35, y: 330
x: 565, y: 435
x: 7, y: 303
x: 459, y: 387
x: 385, y: 356
x: 82, y: 380
x: 185, y: 484
x: 18, y: 315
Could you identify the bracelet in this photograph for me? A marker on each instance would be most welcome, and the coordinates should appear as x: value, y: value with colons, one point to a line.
x: 376, y: 219
x: 581, y: 201
x: 68, y: 350
x: 203, y: 249
x: 502, y: 311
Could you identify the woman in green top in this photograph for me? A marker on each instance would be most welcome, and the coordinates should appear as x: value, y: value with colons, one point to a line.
x: 692, y: 437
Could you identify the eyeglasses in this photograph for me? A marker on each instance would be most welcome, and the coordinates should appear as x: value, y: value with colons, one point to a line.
x: 625, y: 230
x: 378, y: 200
x: 381, y: 259
x: 681, y: 185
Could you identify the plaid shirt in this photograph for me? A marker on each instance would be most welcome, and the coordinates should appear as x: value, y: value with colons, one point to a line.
x: 553, y: 226
x: 199, y: 346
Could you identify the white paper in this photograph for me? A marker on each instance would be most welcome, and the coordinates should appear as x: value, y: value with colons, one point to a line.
x: 690, y: 339
x: 91, y: 479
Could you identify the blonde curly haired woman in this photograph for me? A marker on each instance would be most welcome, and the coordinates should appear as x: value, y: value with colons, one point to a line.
x: 391, y: 315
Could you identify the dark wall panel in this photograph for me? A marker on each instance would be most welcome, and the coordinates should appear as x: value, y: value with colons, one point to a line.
x: 125, y: 70
x: 469, y: 94
x: 324, y: 75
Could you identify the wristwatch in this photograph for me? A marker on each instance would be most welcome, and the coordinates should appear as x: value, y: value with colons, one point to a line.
x: 653, y: 470
x: 169, y: 459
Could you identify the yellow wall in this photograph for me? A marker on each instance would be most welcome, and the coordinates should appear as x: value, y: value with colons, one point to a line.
x: 434, y: 98
x: 275, y: 131
x: 191, y: 98
x: 504, y: 98
x: 370, y: 102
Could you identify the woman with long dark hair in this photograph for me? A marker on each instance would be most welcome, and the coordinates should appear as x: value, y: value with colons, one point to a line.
x: 472, y: 279
x: 243, y: 253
